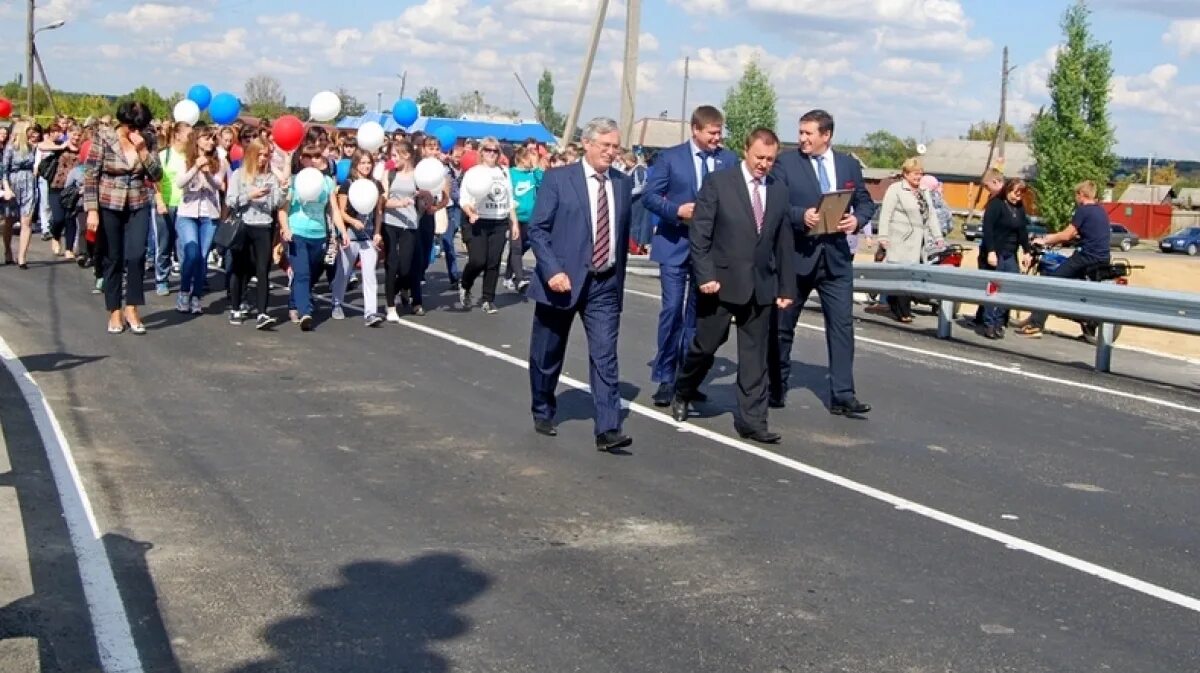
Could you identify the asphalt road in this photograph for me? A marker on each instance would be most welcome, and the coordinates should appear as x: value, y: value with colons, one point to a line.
x: 370, y: 500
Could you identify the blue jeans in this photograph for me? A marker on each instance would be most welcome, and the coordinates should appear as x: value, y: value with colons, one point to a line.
x: 454, y: 219
x: 195, y: 238
x: 993, y: 316
x: 676, y: 321
x: 158, y: 244
x: 307, y: 257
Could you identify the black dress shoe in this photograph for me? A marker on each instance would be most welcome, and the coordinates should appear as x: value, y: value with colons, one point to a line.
x: 545, y: 428
x: 760, y: 436
x: 664, y: 395
x: 679, y: 409
x: 611, y: 441
x: 850, y: 407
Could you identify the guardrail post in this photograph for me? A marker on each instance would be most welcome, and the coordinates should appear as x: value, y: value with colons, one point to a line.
x: 1105, y: 336
x: 946, y: 312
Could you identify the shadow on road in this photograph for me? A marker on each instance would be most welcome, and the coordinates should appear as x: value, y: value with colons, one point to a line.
x: 382, y: 616
x: 57, y: 362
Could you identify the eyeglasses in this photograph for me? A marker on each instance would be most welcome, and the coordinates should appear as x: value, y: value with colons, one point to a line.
x: 491, y: 150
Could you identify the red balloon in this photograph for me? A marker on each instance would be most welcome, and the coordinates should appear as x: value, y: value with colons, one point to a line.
x: 85, y: 148
x: 288, y: 133
x: 5, y: 108
x: 236, y: 153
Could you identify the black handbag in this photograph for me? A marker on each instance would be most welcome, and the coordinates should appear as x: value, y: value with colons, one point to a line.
x: 231, y: 234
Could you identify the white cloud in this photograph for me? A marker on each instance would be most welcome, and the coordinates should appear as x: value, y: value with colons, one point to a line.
x: 1185, y: 35
x: 231, y: 46
x: 60, y: 10
x: 155, y: 18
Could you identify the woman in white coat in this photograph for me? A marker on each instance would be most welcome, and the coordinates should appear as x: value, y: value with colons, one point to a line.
x: 907, y: 223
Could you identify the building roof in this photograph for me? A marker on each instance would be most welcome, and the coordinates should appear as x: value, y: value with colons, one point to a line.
x: 658, y: 133
x: 1188, y: 197
x: 1155, y: 194
x: 967, y: 159
x: 879, y: 174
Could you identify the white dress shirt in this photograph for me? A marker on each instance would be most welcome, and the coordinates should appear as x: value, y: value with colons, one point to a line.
x: 710, y: 160
x: 593, y: 187
x: 749, y: 178
x: 830, y: 168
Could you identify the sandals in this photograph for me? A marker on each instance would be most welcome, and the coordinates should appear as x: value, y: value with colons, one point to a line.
x: 1031, y: 331
x: 119, y: 329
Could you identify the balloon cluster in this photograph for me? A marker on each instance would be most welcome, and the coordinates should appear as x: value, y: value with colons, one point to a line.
x: 224, y: 108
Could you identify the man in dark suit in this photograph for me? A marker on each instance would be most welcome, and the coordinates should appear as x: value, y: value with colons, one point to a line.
x: 742, y: 253
x: 578, y: 233
x: 671, y: 194
x: 823, y: 262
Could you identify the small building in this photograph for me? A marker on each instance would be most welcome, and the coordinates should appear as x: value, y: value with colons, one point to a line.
x: 1188, y: 198
x: 1156, y: 195
x: 960, y: 163
x: 658, y: 133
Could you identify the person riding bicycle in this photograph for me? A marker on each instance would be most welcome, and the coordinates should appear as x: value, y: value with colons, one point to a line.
x: 1091, y: 226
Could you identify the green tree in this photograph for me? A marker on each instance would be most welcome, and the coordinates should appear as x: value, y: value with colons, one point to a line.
x: 151, y: 98
x: 1072, y: 139
x: 882, y: 149
x: 986, y: 130
x: 554, y: 121
x: 351, y: 107
x: 748, y: 105
x: 265, y: 97
x: 430, y: 103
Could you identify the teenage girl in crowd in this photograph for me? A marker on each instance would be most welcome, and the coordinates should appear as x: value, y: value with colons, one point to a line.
x: 365, y: 242
x: 202, y: 185
x: 400, y: 238
x: 304, y: 226
x: 174, y: 163
x: 255, y: 197
x: 526, y: 177
x: 490, y: 220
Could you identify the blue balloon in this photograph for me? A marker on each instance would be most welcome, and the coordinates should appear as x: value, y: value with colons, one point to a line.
x: 405, y: 112
x: 446, y: 136
x: 343, y: 170
x: 225, y: 108
x: 200, y: 95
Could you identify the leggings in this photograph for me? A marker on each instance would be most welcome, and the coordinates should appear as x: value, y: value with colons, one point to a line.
x: 483, y: 255
x: 254, y: 257
x: 402, y: 249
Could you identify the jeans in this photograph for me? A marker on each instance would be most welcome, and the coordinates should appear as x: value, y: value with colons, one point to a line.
x: 307, y: 258
x: 484, y: 250
x: 425, y: 236
x: 1074, y: 267
x: 195, y: 239
x: 993, y: 316
x: 124, y: 250
x: 517, y: 250
x: 162, y: 239
x: 364, y: 250
x: 454, y: 219
x: 676, y: 321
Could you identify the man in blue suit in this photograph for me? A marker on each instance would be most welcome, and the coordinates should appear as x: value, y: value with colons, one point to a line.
x: 823, y: 262
x: 579, y: 235
x: 671, y: 195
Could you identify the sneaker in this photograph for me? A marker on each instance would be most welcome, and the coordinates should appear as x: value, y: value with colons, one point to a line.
x: 522, y: 285
x: 244, y: 307
x: 464, y: 299
x: 253, y: 282
x: 392, y: 315
x: 509, y: 284
x: 197, y: 309
x: 338, y: 313
x: 264, y: 321
x: 375, y: 320
x: 418, y: 310
x: 489, y: 308
x: 182, y: 303
x: 236, y: 317
x: 353, y: 282
x: 99, y: 287
x: 306, y: 323
x: 175, y: 268
x: 161, y: 289
x: 294, y: 316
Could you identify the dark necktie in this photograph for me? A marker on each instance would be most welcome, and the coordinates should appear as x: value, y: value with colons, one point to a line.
x: 704, y: 157
x: 600, y: 248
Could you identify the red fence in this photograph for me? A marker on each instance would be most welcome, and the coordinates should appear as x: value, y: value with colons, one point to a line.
x: 1144, y: 220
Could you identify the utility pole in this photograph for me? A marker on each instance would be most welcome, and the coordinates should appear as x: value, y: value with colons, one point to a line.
x: 537, y: 113
x: 997, y: 138
x: 683, y: 115
x: 29, y: 60
x: 403, y: 82
x: 588, y: 61
x: 42, y: 71
x: 633, y: 16
x: 1149, y: 167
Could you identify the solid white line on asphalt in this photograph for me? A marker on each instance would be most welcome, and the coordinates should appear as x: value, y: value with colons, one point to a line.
x: 1010, y: 541
x: 1010, y: 369
x: 114, y: 640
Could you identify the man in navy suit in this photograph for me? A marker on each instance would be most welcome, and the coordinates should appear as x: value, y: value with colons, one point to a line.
x: 671, y: 195
x: 578, y: 235
x: 823, y: 262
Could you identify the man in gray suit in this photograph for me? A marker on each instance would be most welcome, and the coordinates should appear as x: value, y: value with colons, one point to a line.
x: 742, y: 254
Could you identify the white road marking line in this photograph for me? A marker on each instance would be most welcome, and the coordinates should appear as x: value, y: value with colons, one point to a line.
x: 1007, y: 369
x: 114, y: 639
x: 903, y: 504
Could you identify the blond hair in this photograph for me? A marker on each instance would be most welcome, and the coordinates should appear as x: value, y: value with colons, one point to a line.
x: 1086, y: 189
x: 912, y: 165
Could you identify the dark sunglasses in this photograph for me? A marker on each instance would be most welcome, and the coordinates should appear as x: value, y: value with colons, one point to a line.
x: 490, y: 150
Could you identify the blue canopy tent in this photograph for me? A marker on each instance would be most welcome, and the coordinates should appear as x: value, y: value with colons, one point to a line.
x: 463, y: 128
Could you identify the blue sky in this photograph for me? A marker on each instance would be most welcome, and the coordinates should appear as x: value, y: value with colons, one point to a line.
x: 900, y: 65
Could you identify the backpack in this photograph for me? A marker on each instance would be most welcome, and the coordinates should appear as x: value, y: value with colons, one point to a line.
x: 48, y: 167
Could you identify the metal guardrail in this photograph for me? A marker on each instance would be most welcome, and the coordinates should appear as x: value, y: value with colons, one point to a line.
x: 1110, y: 305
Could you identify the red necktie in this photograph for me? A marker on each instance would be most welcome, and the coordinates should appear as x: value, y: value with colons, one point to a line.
x: 600, y: 248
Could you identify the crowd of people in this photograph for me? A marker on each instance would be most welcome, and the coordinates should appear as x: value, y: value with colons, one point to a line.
x: 129, y: 197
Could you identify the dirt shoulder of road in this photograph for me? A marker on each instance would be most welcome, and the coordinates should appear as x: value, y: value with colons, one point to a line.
x: 1163, y: 272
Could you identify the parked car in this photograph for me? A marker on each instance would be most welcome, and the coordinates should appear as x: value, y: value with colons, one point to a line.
x: 973, y: 230
x: 1122, y: 238
x: 1184, y: 240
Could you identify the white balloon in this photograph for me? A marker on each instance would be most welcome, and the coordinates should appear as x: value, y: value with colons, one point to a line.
x: 370, y: 136
x: 364, y: 195
x: 309, y: 184
x: 187, y: 111
x: 478, y: 181
x: 324, y: 107
x: 430, y: 174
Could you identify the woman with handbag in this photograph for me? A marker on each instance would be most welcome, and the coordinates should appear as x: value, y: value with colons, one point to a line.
x: 365, y: 242
x: 906, y: 221
x: 195, y: 223
x: 115, y: 196
x: 254, y: 199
